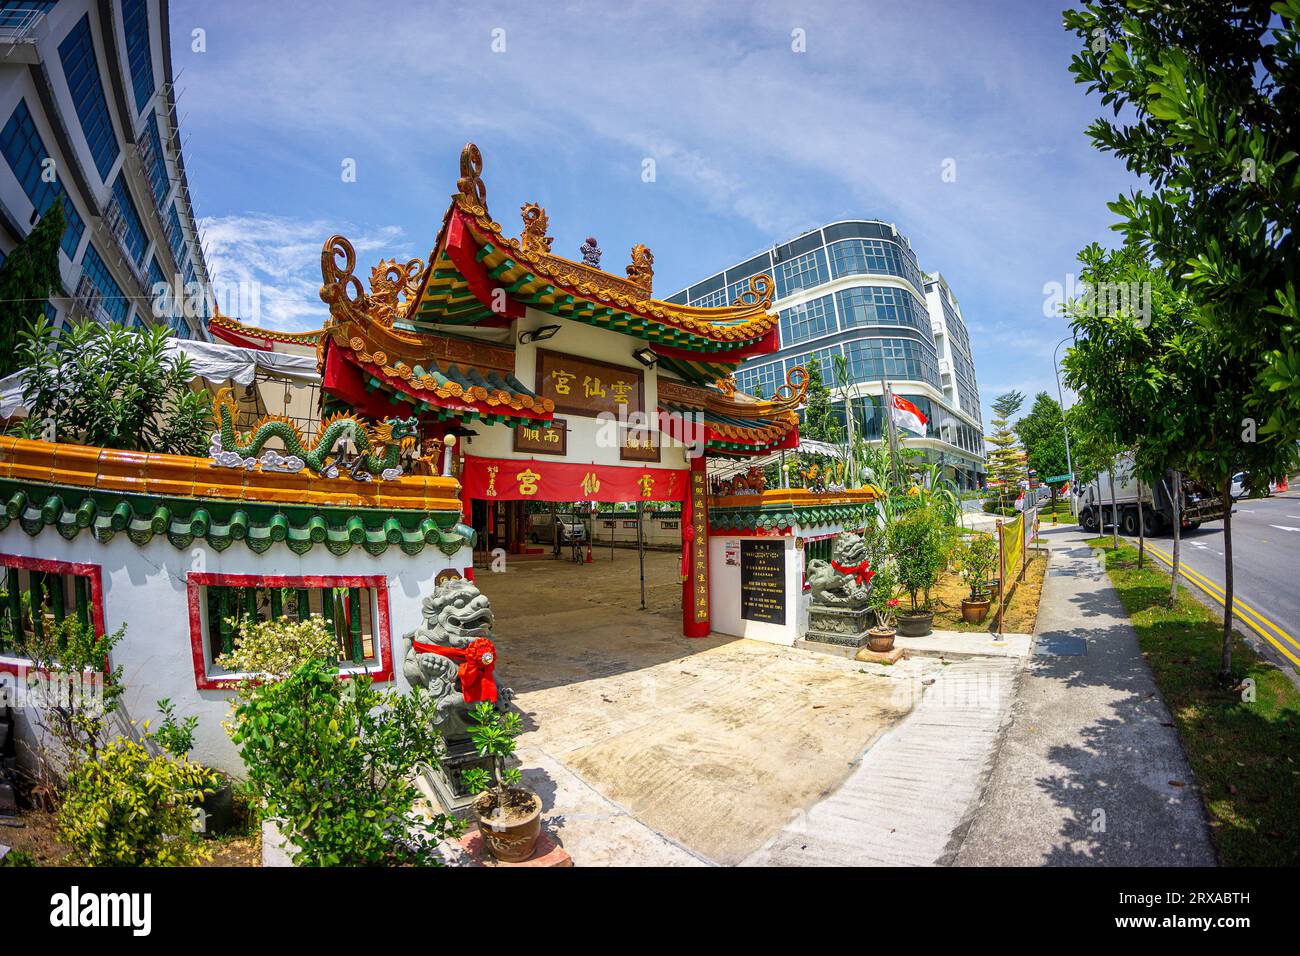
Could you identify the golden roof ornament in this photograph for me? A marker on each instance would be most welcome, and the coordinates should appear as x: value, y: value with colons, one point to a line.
x: 393, y: 288
x: 534, y: 238
x: 758, y: 293
x: 642, y: 270
x: 471, y: 193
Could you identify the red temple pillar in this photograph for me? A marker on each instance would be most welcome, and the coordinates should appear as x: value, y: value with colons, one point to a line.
x: 695, y: 556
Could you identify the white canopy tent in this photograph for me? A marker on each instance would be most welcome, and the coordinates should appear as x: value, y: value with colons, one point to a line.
x: 211, y: 361
x: 724, y: 468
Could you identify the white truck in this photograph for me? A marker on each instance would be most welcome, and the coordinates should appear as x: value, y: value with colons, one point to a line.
x: 1199, y: 503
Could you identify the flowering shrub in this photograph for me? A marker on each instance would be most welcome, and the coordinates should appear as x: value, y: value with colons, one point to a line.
x: 272, y: 650
x: 884, y: 595
x: 76, y: 699
x: 127, y: 807
x: 333, y: 760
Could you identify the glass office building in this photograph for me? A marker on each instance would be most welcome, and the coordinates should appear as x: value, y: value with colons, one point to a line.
x: 88, y: 117
x: 854, y: 289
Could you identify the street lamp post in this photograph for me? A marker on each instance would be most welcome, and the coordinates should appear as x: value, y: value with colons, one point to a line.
x: 1060, y: 397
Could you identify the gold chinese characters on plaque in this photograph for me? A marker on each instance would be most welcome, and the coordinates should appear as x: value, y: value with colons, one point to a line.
x: 549, y: 439
x: 588, y: 387
x: 638, y: 444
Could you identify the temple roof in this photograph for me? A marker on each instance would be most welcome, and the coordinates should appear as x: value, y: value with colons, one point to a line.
x: 735, y: 424
x: 473, y: 263
x: 251, y: 337
x: 415, y: 337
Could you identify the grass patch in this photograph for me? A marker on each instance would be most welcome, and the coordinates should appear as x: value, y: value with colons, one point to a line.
x: 1246, y: 755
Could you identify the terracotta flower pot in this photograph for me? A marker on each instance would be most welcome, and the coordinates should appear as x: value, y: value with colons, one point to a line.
x: 881, y: 639
x: 512, y: 839
x: 916, y: 625
x: 974, y: 612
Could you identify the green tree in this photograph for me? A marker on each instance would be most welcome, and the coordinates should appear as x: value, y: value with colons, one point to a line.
x: 27, y: 279
x: 820, y: 423
x: 1006, y: 461
x: 1167, y: 386
x: 114, y: 387
x: 1205, y: 96
x: 1042, y: 432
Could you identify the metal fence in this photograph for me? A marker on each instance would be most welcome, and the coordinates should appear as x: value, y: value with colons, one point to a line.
x: 1014, y: 540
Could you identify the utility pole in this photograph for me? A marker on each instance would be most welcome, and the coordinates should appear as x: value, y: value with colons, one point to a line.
x: 1060, y: 397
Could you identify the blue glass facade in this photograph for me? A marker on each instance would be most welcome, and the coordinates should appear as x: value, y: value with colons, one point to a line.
x: 871, y: 318
x: 135, y: 24
x: 113, y: 300
x: 175, y: 237
x: 26, y: 155
x: 18, y: 14
x: 134, y: 234
x: 81, y: 69
x: 157, y: 164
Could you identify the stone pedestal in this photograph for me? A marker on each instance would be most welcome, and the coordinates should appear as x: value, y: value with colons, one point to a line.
x: 447, y: 783
x: 845, y: 626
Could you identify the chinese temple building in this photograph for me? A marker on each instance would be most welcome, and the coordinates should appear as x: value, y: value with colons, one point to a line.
x: 447, y: 398
x: 551, y: 379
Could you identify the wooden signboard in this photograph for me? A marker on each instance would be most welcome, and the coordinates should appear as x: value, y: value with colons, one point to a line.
x: 762, y: 581
x: 587, y: 387
x: 552, y: 439
x: 638, y: 444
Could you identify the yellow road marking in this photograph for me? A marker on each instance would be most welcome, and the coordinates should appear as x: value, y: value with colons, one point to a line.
x: 1220, y: 594
x: 1252, y: 618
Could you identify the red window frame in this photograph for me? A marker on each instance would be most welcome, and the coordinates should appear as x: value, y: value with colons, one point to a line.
x: 803, y: 571
x: 195, y: 580
x: 10, y: 664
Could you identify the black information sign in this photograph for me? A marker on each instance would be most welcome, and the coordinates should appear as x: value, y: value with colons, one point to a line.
x: 762, y: 581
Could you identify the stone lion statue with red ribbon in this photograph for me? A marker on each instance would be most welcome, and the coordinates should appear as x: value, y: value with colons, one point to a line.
x: 845, y: 580
x: 451, y: 655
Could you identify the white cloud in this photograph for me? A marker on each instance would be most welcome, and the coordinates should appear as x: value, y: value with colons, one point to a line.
x: 273, y: 264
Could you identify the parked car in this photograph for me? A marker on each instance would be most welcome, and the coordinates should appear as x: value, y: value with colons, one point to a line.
x: 541, y: 528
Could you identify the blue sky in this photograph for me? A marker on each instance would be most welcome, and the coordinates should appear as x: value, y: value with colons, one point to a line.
x: 752, y: 142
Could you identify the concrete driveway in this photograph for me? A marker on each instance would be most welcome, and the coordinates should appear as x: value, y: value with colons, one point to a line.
x: 648, y: 747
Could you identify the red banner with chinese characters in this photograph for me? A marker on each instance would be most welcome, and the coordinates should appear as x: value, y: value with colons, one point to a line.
x: 527, y: 479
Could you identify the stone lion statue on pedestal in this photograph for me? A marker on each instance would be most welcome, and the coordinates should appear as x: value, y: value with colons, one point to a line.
x: 452, y: 656
x: 845, y: 580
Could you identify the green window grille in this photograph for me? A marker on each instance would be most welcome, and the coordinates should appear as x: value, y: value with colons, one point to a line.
x: 34, y: 600
x: 347, y: 611
x: 815, y: 549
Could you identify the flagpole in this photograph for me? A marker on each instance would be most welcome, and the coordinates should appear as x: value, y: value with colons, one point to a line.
x: 850, y: 475
x: 888, y: 398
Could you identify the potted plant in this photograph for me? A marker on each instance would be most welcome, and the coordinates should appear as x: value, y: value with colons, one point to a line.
x: 979, y: 555
x: 176, y: 737
x: 884, y: 601
x: 509, y: 816
x: 916, y: 542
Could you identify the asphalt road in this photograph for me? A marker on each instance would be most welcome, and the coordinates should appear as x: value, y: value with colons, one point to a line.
x: 1266, y: 563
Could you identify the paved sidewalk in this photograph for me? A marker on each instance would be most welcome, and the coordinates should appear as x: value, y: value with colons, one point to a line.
x: 1091, y: 771
x: 916, y: 786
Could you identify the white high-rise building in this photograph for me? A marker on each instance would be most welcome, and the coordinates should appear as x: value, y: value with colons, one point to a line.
x: 853, y: 290
x: 88, y: 114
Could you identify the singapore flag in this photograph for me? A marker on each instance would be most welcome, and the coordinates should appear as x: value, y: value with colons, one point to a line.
x: 907, y: 416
